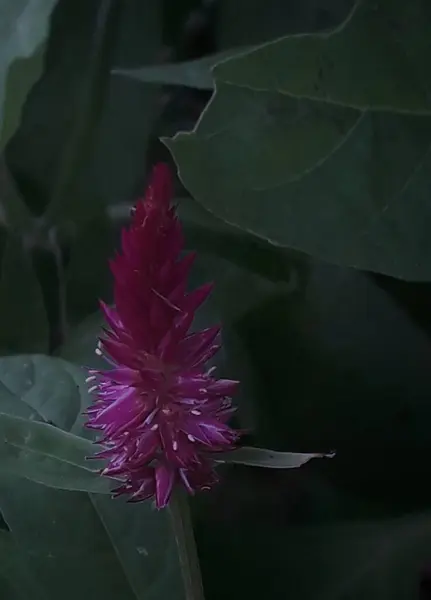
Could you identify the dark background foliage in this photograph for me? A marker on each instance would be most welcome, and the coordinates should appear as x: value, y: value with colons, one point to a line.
x: 330, y: 357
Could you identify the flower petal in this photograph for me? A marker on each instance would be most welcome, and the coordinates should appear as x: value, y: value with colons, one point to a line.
x: 165, y: 478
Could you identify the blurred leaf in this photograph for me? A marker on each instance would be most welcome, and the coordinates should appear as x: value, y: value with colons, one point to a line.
x: 78, y: 149
x: 13, y: 211
x: 87, y: 277
x: 52, y: 388
x: 340, y: 366
x: 45, y: 454
x: 131, y: 110
x: 23, y: 320
x: 175, y: 16
x: 119, y: 550
x: 262, y: 457
x: 261, y: 147
x: 369, y: 560
x: 195, y: 73
x: 24, y: 27
x: 122, y: 113
x: 81, y: 342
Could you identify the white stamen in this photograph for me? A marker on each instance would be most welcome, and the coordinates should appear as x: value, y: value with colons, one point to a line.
x: 98, y: 351
x: 175, y: 445
x: 154, y: 427
x: 196, y: 412
x: 91, y: 378
x: 211, y: 371
x: 190, y: 437
x: 92, y: 389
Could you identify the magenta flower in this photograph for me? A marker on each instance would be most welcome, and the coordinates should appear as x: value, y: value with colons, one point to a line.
x: 162, y: 414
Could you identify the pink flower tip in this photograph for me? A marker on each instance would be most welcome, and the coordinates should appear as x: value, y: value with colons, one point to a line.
x: 163, y: 416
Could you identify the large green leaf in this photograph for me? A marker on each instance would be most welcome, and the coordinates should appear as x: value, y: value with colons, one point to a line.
x: 16, y: 583
x: 23, y: 29
x: 53, y: 389
x: 45, y: 454
x: 118, y: 550
x: 23, y: 320
x: 377, y: 59
x: 36, y: 389
x: 321, y: 142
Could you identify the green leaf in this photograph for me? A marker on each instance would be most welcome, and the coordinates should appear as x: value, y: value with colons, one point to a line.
x: 131, y: 110
x: 54, y: 389
x: 378, y: 58
x: 24, y: 27
x: 38, y: 388
x: 16, y: 583
x: 194, y: 73
x: 206, y: 233
x: 347, y: 179
x: 119, y: 550
x: 45, y: 454
x: 88, y: 113
x: 93, y: 153
x: 133, y: 539
x: 271, y: 459
x: 23, y: 320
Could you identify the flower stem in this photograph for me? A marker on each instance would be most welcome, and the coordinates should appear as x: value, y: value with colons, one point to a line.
x: 183, y: 530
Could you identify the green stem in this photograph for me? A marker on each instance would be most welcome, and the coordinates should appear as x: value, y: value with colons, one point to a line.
x: 183, y: 531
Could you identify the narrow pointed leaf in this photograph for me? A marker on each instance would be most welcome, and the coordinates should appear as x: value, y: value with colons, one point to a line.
x: 271, y: 459
x: 332, y: 132
x: 195, y: 73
